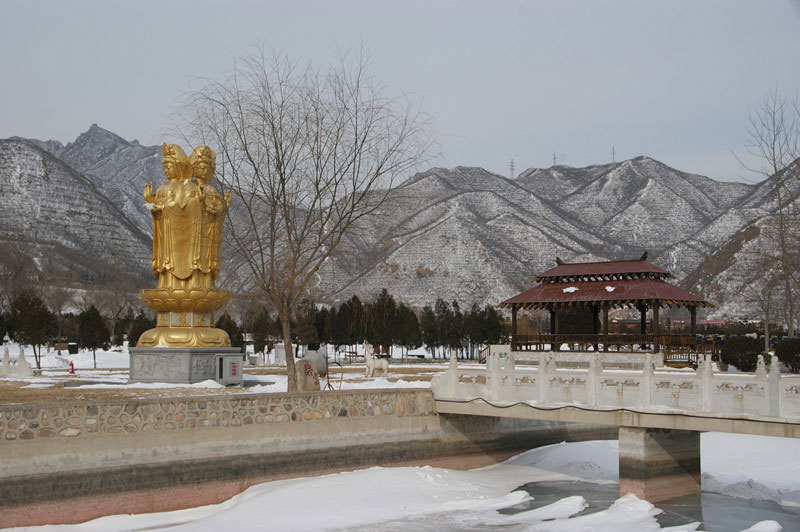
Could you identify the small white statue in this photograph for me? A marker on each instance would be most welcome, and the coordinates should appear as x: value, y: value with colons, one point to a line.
x: 374, y: 364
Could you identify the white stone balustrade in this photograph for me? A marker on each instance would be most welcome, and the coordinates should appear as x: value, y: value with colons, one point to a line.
x: 765, y: 393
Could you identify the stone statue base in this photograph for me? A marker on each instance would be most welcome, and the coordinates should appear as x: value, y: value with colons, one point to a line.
x: 186, y: 365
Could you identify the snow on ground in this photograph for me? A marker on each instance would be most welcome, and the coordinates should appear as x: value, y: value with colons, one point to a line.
x: 401, y: 498
x: 112, y: 358
x: 751, y: 467
x: 112, y: 373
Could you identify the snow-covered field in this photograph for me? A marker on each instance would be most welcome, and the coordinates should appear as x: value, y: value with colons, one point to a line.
x: 426, y: 498
x: 112, y: 373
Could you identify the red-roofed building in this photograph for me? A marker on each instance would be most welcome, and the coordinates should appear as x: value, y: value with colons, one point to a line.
x: 601, y: 286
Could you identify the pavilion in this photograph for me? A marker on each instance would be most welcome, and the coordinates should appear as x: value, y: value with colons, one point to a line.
x: 601, y: 286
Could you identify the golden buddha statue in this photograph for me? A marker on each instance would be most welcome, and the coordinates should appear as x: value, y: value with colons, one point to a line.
x: 188, y: 214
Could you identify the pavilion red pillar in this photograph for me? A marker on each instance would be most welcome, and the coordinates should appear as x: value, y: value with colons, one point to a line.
x: 656, y: 344
x: 605, y: 326
x: 554, y: 329
x: 643, y: 322
x: 513, y: 325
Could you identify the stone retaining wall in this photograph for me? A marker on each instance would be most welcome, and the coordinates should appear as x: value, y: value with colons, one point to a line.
x: 70, y: 462
x: 85, y: 420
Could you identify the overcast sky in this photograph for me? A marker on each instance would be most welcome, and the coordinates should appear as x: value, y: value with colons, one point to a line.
x: 673, y: 80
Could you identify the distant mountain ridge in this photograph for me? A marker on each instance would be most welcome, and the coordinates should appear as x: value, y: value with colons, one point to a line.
x: 496, y: 233
x: 462, y: 234
x: 57, y: 219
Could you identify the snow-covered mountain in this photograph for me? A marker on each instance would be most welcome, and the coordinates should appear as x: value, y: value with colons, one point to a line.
x: 468, y: 234
x: 58, y: 220
x: 118, y: 168
x: 462, y: 234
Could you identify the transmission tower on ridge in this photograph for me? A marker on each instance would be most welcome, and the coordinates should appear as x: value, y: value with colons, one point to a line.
x: 512, y: 169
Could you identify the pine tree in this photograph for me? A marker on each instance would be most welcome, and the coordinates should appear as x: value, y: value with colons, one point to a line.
x: 493, y: 325
x: 335, y: 327
x: 351, y: 317
x: 141, y: 323
x: 92, y: 332
x: 229, y: 325
x: 383, y: 314
x: 323, y: 324
x: 409, y: 333
x: 122, y: 327
x: 430, y: 330
x: 306, y: 329
x: 260, y: 324
x: 32, y: 322
x: 473, y: 327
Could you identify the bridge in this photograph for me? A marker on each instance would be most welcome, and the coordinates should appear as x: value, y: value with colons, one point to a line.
x: 660, y: 413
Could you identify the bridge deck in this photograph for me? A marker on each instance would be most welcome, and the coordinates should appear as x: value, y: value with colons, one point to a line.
x: 625, y: 418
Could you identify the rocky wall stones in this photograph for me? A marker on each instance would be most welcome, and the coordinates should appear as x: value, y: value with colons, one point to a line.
x: 84, y: 419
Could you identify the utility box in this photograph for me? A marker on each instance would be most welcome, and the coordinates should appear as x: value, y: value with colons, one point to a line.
x: 228, y: 369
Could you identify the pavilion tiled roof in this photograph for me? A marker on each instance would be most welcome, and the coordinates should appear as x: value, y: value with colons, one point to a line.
x: 627, y: 283
x: 619, y: 269
x: 624, y: 292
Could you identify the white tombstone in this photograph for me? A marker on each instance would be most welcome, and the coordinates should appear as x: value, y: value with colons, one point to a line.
x: 6, y: 366
x: 317, y: 359
x: 280, y: 354
x: 23, y: 367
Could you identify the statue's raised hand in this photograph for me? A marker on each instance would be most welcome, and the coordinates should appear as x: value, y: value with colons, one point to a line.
x: 148, y: 193
x: 227, y: 197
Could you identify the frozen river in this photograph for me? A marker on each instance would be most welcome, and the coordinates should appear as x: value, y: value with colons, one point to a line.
x: 564, y: 487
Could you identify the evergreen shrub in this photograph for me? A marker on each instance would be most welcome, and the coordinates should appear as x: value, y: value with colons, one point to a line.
x: 788, y: 352
x: 742, y: 352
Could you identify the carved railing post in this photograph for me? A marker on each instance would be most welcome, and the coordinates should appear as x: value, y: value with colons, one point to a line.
x: 541, y: 380
x: 452, y: 376
x: 494, y: 377
x: 774, y: 388
x: 705, y: 381
x: 595, y: 371
x: 647, y: 380
x: 763, y: 383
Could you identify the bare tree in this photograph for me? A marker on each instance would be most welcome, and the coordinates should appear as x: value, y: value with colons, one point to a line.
x: 764, y: 291
x: 774, y: 140
x: 113, y: 301
x: 306, y: 153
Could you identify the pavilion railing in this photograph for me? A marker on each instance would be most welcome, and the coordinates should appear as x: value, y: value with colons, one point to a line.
x: 677, y: 348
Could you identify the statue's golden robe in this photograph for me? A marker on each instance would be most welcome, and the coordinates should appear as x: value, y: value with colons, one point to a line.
x: 188, y: 215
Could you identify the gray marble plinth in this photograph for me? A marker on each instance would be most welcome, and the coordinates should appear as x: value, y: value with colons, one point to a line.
x: 186, y: 365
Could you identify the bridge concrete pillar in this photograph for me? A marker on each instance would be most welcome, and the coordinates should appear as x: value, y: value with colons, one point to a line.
x: 658, y: 464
